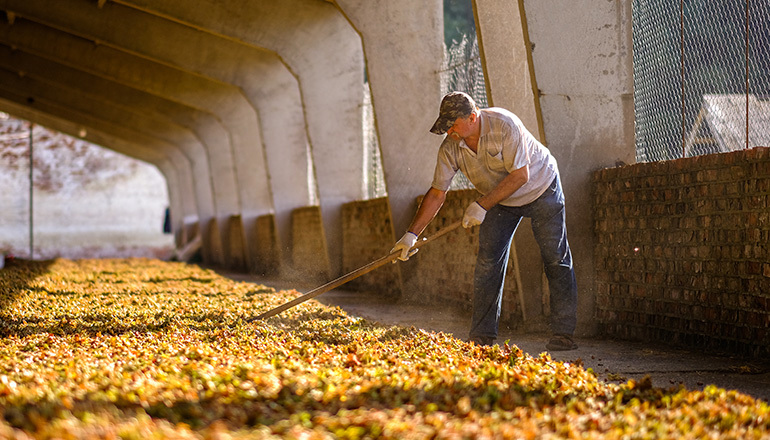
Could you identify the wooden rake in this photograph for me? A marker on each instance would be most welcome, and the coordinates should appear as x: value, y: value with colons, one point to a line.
x: 352, y: 275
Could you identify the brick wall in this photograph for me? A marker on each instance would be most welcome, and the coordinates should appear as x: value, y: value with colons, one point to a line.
x: 308, y: 248
x: 267, y: 256
x: 236, y: 251
x: 368, y: 237
x: 682, y: 251
x: 213, y: 248
x: 444, y: 268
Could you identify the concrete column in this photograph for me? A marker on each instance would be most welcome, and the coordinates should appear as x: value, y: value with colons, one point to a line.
x: 325, y: 54
x: 403, y: 42
x: 510, y: 83
x: 276, y: 93
x: 504, y: 45
x: 583, y: 64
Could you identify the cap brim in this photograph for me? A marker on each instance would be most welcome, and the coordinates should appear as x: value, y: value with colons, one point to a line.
x: 440, y: 126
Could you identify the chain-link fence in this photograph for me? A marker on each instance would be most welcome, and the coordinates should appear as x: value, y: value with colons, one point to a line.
x: 374, y: 176
x: 701, y: 76
x: 462, y: 71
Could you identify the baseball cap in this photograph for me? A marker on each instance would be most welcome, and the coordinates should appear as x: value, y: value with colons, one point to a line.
x: 454, y: 105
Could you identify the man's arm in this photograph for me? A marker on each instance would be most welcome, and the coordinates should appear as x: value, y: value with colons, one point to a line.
x: 428, y: 209
x: 512, y: 182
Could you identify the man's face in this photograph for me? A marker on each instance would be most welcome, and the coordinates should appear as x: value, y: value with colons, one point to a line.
x: 462, y: 128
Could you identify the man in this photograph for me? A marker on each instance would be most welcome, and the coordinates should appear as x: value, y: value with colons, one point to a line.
x: 517, y: 177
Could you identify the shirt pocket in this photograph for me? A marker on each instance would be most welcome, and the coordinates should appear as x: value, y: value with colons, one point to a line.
x: 494, y: 160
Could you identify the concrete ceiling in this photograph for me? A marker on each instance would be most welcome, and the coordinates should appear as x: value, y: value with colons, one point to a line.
x: 220, y: 89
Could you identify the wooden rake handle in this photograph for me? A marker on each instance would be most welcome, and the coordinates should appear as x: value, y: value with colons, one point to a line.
x: 352, y: 275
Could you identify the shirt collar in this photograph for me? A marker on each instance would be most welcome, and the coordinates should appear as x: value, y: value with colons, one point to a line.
x: 484, y: 124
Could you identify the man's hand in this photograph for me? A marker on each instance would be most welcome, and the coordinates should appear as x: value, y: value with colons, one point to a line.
x: 474, y: 215
x: 404, y: 244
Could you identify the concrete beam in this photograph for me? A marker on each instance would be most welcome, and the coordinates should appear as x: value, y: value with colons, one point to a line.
x: 323, y: 50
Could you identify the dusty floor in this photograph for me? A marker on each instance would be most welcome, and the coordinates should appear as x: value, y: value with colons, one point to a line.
x: 612, y: 360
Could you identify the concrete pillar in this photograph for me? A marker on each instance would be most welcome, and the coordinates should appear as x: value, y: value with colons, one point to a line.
x: 403, y: 42
x: 583, y: 65
x: 325, y: 54
x: 511, y: 84
x: 504, y: 45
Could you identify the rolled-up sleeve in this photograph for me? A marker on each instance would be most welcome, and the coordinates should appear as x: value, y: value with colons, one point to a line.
x: 446, y: 168
x: 514, y: 156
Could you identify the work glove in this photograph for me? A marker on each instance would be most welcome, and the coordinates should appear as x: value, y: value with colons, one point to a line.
x: 404, y: 244
x: 474, y: 215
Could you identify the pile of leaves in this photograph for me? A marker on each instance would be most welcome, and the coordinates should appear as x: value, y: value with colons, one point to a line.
x: 144, y: 349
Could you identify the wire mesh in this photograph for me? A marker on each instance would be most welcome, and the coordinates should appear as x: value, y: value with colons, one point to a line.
x: 701, y: 77
x: 462, y: 71
x: 374, y: 176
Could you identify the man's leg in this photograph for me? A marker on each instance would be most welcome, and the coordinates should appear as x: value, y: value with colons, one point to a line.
x: 495, y: 235
x: 549, y: 228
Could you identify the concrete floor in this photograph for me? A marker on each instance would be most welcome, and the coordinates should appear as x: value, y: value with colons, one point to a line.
x: 612, y: 360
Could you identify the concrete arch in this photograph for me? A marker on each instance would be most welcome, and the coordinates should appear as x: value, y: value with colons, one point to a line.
x: 177, y: 176
x: 129, y: 99
x: 261, y: 76
x: 141, y: 74
x: 330, y: 81
x: 15, y: 91
x: 82, y: 101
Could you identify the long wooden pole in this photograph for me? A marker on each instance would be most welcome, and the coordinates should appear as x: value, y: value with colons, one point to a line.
x: 352, y: 275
